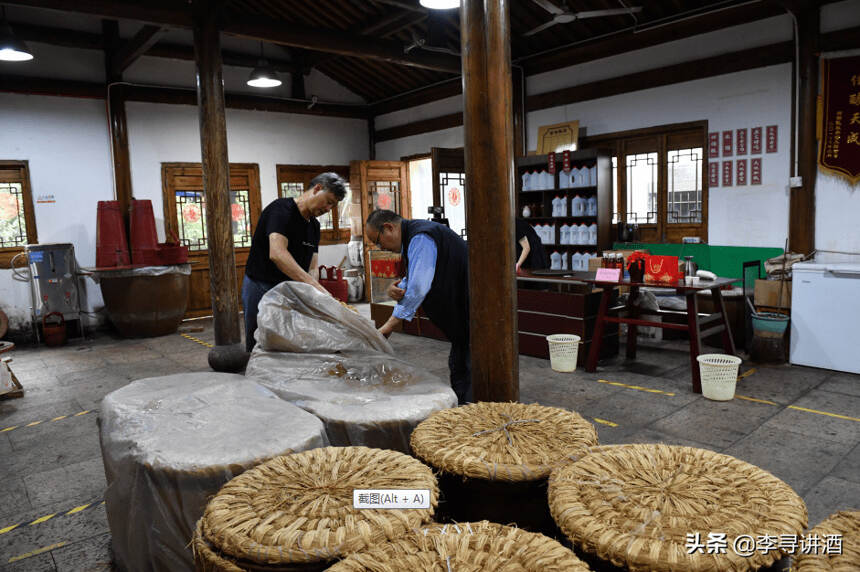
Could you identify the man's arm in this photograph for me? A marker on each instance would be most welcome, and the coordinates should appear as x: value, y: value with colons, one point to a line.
x: 524, y: 242
x: 285, y: 262
x: 422, y: 269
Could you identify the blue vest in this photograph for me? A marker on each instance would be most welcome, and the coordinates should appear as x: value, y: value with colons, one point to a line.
x: 447, y: 302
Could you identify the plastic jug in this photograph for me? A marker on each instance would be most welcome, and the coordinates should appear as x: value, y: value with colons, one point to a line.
x: 592, y: 233
x: 564, y: 179
x: 564, y: 234
x: 562, y: 206
x: 591, y: 206
x: 564, y: 261
x: 576, y: 206
x: 555, y: 261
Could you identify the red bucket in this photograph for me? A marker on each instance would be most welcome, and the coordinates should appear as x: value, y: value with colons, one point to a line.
x: 55, y: 334
x: 111, y: 244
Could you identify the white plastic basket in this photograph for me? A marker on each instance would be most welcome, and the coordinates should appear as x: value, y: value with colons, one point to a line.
x: 563, y: 351
x: 719, y: 374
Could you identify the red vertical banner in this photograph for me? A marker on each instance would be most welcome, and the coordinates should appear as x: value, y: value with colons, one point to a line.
x: 755, y: 171
x: 713, y: 144
x: 565, y: 160
x: 839, y: 152
x: 756, y: 140
x: 714, y: 174
x: 551, y: 163
x: 741, y: 172
x: 727, y: 173
x: 741, y: 141
x: 770, y: 140
x: 727, y: 143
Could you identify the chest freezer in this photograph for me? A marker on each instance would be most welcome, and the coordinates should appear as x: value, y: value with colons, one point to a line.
x: 825, y: 316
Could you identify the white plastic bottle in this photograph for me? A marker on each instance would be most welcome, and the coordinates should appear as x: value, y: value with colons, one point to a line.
x: 564, y: 261
x: 550, y: 233
x: 556, y: 204
x: 592, y: 233
x: 564, y: 234
x: 592, y: 175
x: 583, y: 234
x: 562, y: 206
x: 555, y: 261
x: 564, y: 179
x: 576, y: 206
x: 576, y: 261
x: 527, y: 182
x: 591, y: 206
x: 574, y: 177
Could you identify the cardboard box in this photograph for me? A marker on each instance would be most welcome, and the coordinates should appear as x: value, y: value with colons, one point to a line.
x: 767, y: 294
x: 594, y: 264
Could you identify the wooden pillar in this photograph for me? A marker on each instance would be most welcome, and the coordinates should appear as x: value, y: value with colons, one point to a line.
x: 228, y: 353
x: 488, y: 124
x: 117, y: 125
x: 801, y: 227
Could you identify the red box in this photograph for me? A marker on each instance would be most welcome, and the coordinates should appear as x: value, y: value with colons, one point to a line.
x: 663, y: 269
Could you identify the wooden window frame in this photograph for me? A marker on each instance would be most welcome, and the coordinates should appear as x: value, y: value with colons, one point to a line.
x: 665, y: 138
x: 19, y: 172
x: 169, y: 170
x: 340, y: 234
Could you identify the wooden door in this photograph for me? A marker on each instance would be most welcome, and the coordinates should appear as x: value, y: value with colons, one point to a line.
x: 449, y: 185
x: 383, y: 185
x: 185, y: 219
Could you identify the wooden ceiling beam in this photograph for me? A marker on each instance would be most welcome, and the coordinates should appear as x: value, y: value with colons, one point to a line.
x: 58, y: 36
x: 338, y: 42
x: 235, y: 59
x: 136, y: 46
x: 162, y: 12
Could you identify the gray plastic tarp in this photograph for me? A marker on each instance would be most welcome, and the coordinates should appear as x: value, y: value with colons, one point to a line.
x: 169, y: 443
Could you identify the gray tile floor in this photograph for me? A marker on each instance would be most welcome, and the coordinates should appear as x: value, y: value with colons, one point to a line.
x: 54, y: 466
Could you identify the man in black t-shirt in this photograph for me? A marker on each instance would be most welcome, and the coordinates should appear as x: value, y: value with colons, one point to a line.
x: 285, y: 244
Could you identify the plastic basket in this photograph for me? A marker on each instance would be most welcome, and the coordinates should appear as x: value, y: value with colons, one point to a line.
x: 563, y: 351
x: 719, y: 374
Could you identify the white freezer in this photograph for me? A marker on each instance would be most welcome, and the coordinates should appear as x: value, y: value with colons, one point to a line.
x: 825, y: 316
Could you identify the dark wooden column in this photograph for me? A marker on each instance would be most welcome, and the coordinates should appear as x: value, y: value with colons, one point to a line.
x: 228, y: 353
x: 801, y: 226
x: 488, y: 124
x: 117, y: 125
x: 519, y: 106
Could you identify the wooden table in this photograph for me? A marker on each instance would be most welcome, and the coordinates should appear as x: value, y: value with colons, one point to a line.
x: 697, y: 326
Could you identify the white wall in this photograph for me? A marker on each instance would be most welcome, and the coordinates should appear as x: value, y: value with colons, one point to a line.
x: 66, y: 144
x: 750, y: 215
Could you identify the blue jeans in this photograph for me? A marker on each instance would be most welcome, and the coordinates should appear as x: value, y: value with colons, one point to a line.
x: 252, y: 292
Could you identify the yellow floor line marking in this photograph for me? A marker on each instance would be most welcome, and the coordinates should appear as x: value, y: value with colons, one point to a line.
x: 199, y: 341
x: 765, y: 401
x: 36, y: 552
x: 34, y: 423
x: 817, y: 412
x: 636, y: 387
x: 9, y: 528
x: 79, y: 508
x: 605, y: 422
x: 746, y: 373
x: 43, y: 519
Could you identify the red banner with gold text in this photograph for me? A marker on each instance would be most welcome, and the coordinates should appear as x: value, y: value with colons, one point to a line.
x: 839, y: 151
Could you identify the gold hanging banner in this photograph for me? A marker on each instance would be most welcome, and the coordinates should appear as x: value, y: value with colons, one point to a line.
x: 839, y: 150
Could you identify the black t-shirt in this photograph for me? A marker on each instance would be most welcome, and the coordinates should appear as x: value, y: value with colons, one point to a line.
x: 537, y: 258
x: 303, y: 238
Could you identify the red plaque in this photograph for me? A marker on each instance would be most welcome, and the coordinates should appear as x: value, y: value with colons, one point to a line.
x: 839, y: 152
x: 713, y: 144
x: 755, y: 171
x: 770, y: 142
x: 714, y: 174
x: 741, y: 138
x: 727, y: 173
x: 727, y: 143
x: 741, y: 171
x: 565, y: 160
x: 756, y: 140
x: 551, y: 164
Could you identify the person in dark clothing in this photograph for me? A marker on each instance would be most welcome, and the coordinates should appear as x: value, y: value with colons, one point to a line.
x: 437, y: 279
x: 531, y: 254
x: 285, y: 244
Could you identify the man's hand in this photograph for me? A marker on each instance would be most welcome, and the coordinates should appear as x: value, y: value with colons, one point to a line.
x: 395, y: 293
x: 389, y: 326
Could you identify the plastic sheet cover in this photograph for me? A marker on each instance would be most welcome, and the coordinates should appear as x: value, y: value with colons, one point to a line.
x: 131, y: 272
x: 170, y: 443
x: 341, y: 370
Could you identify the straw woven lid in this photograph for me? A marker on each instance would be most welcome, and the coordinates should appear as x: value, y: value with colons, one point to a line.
x: 845, y: 524
x: 466, y: 547
x: 635, y: 505
x: 502, y: 441
x: 299, y: 508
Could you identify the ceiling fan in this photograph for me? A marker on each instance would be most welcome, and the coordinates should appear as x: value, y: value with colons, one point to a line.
x: 565, y: 16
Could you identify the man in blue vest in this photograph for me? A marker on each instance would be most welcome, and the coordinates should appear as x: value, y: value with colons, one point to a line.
x: 437, y: 280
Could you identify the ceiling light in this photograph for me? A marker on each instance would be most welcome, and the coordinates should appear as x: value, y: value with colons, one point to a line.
x: 11, y: 48
x: 440, y: 4
x: 263, y: 76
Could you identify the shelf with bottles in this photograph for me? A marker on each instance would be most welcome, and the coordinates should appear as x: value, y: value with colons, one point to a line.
x: 573, y: 261
x: 552, y: 218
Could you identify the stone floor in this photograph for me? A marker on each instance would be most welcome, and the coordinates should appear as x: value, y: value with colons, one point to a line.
x: 50, y: 462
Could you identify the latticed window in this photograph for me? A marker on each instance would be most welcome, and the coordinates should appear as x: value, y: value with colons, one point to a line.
x: 17, y: 220
x: 191, y: 219
x: 293, y: 180
x: 684, y: 186
x: 642, y: 188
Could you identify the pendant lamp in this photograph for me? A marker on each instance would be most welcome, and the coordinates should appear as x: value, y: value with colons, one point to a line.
x: 440, y: 4
x: 11, y: 48
x: 263, y: 75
